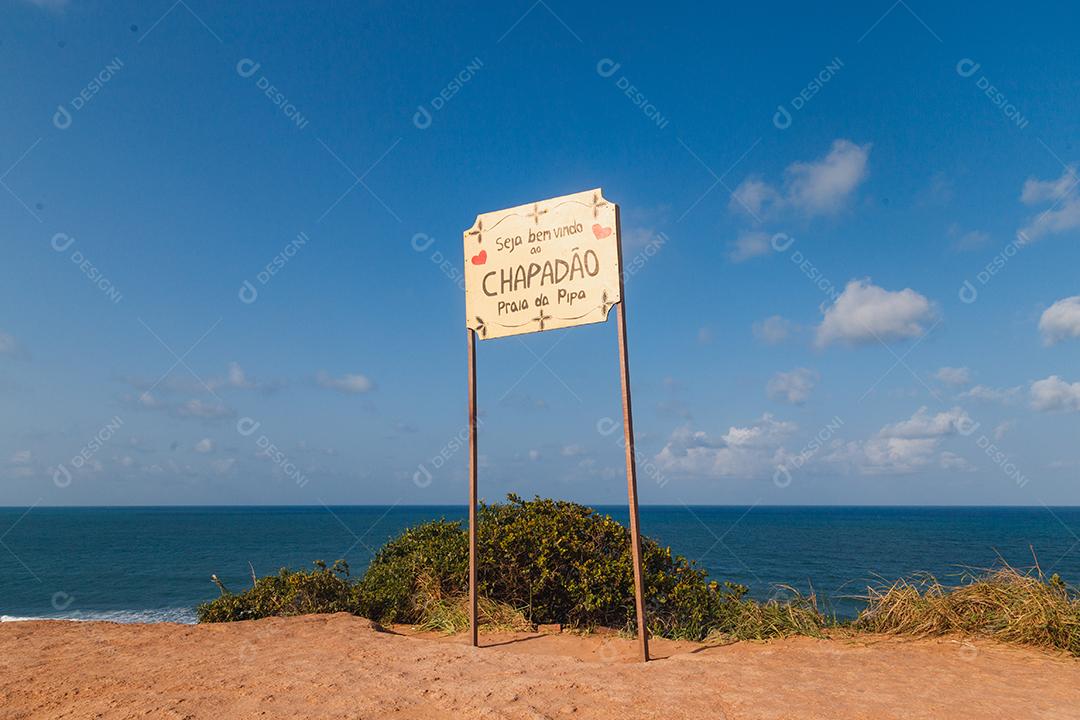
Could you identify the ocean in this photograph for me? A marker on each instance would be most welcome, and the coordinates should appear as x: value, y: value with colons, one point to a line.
x: 154, y: 564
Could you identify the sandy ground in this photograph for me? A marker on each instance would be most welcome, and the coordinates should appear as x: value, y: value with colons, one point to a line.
x: 339, y: 666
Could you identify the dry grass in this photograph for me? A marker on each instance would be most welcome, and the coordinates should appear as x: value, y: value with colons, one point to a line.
x: 1003, y: 603
x: 796, y: 614
x: 450, y: 614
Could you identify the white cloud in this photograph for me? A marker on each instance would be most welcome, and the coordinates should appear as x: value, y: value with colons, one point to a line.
x: 573, y: 451
x: 952, y: 461
x: 865, y: 312
x: 352, y: 384
x: 1053, y: 393
x: 907, y: 446
x: 223, y: 466
x: 19, y: 466
x: 206, y: 445
x: 195, y: 408
x: 149, y: 400
x: 954, y: 376
x: 203, y: 410
x: 1061, y: 320
x: 924, y: 425
x: 898, y: 455
x: 819, y: 187
x: 970, y: 240
x: 162, y: 394
x: 822, y: 186
x: 766, y: 432
x: 792, y: 387
x: 1063, y: 212
x: 1037, y: 191
x: 749, y: 245
x: 773, y: 330
x: 750, y: 451
x: 1003, y: 428
x: 1001, y: 395
x: 534, y: 455
x: 755, y: 196
x: 236, y: 377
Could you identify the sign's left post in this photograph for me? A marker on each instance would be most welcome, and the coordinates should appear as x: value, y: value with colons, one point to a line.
x: 473, y: 625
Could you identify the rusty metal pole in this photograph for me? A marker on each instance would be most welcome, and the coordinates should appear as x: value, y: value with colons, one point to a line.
x: 473, y: 629
x: 631, y: 464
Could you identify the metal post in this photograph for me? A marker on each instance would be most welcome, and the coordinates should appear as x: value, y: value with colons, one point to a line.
x: 473, y: 629
x: 631, y: 465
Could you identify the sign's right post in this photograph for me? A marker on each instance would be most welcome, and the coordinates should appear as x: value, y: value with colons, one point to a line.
x: 631, y: 465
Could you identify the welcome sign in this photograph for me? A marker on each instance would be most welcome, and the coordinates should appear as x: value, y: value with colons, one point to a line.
x: 541, y: 266
x: 546, y: 265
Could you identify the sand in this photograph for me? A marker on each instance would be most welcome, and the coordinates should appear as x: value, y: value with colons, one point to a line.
x: 339, y: 666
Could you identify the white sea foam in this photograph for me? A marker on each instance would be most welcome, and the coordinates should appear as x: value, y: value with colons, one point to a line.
x: 184, y: 616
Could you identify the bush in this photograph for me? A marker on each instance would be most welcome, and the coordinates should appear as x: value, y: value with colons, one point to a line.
x: 425, y: 562
x: 323, y: 590
x: 539, y: 561
x: 1003, y: 603
x: 560, y: 562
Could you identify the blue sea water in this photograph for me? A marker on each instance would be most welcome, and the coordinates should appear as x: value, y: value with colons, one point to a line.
x: 154, y: 564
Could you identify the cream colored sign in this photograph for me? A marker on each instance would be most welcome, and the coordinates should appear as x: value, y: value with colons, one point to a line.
x: 542, y: 266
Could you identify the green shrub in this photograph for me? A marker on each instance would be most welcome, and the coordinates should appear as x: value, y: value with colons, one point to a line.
x: 322, y: 590
x: 429, y: 560
x: 539, y: 561
x: 560, y: 562
x: 566, y: 563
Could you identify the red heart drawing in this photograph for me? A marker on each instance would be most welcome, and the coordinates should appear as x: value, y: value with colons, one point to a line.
x: 481, y: 258
x: 600, y: 232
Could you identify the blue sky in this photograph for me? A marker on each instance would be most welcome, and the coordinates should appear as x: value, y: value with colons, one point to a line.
x: 854, y: 234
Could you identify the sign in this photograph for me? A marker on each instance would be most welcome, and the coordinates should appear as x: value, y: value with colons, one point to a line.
x: 542, y: 266
x: 546, y: 265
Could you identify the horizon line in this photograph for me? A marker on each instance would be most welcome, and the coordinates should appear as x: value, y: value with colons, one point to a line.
x: 604, y: 505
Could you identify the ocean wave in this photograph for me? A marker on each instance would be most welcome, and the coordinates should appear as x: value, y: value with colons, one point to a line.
x: 184, y: 616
